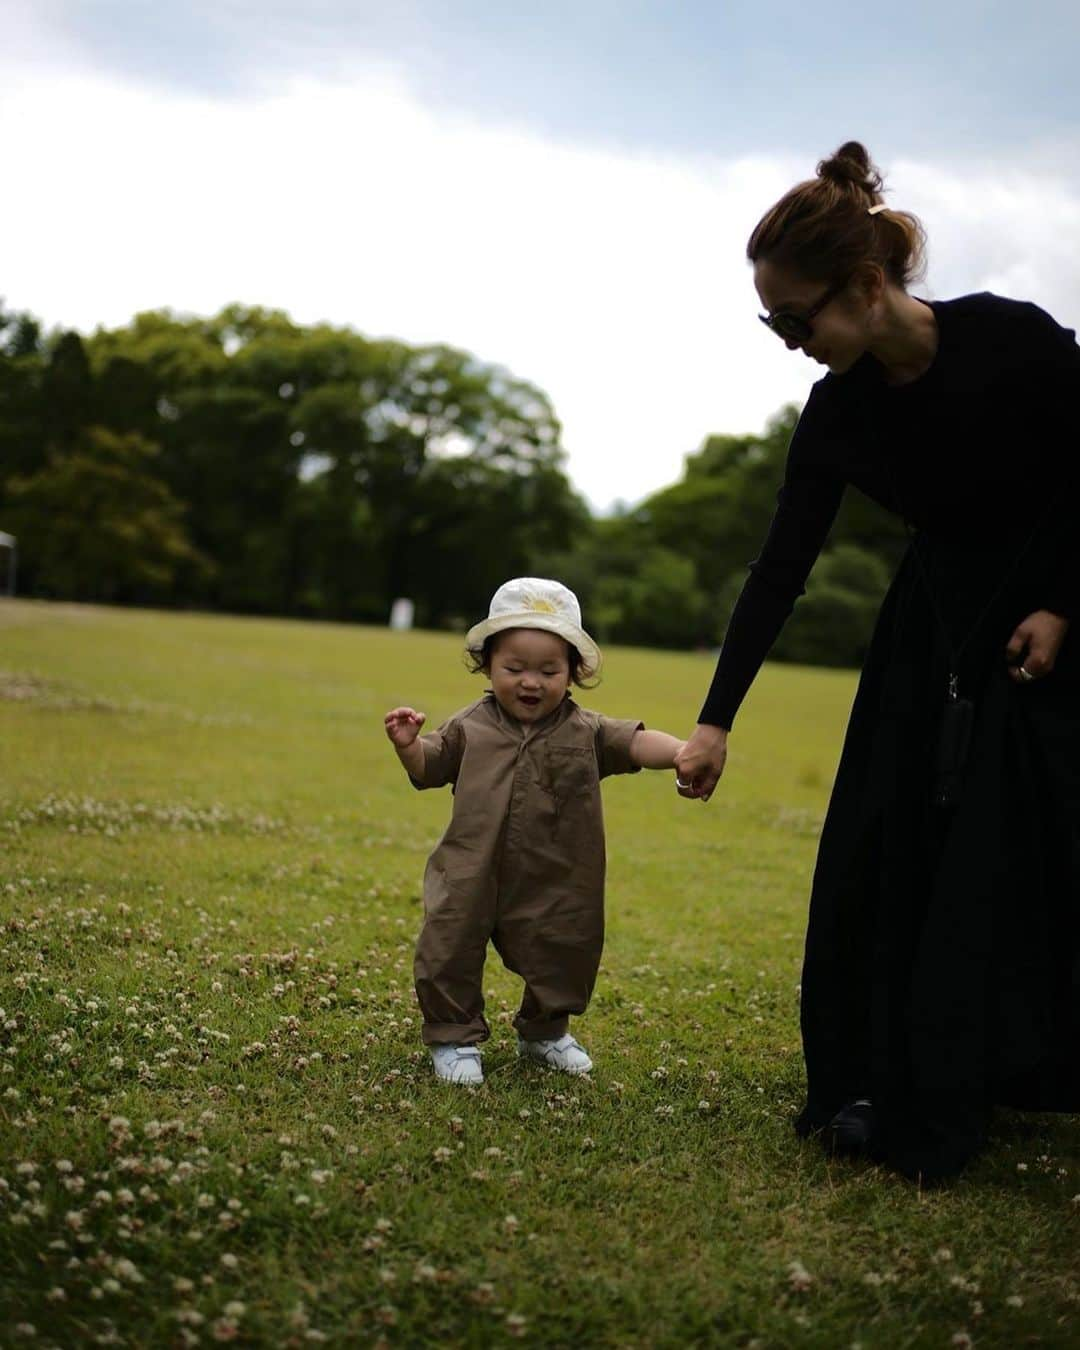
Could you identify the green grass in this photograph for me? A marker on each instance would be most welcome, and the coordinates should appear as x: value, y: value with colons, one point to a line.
x: 209, y: 868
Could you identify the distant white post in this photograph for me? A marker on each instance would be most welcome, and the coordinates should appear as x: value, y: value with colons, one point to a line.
x: 8, y: 541
x: 401, y: 615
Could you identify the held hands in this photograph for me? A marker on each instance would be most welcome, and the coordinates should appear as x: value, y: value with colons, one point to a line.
x: 700, y: 762
x: 1032, y: 650
x: 403, y: 726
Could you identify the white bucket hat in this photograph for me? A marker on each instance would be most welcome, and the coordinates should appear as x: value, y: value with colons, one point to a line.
x: 536, y: 602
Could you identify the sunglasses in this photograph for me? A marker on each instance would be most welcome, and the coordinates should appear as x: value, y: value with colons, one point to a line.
x: 793, y: 327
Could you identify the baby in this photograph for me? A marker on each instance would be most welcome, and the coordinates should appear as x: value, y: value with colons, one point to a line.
x: 522, y: 860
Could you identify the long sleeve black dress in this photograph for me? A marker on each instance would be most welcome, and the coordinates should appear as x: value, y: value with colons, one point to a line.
x: 942, y: 966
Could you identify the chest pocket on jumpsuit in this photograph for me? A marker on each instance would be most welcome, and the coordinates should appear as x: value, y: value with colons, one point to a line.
x: 572, y: 780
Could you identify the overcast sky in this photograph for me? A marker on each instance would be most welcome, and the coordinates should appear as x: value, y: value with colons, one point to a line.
x: 564, y: 189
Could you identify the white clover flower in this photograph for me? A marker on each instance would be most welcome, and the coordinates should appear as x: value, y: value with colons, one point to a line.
x: 799, y: 1278
x: 516, y: 1324
x: 229, y: 1261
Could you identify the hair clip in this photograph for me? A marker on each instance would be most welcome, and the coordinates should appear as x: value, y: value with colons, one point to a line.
x: 873, y: 210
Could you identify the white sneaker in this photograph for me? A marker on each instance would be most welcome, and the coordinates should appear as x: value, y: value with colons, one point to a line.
x: 564, y: 1054
x: 457, y: 1064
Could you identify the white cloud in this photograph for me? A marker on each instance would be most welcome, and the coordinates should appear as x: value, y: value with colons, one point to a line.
x: 615, y: 282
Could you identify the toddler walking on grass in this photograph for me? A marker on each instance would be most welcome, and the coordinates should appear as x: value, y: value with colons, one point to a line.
x: 522, y: 860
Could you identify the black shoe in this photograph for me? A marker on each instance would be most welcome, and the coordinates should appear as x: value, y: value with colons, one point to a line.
x: 851, y: 1131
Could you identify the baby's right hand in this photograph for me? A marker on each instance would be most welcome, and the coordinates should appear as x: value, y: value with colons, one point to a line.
x: 403, y: 725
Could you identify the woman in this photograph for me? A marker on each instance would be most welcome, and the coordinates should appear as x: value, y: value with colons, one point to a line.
x: 942, y: 965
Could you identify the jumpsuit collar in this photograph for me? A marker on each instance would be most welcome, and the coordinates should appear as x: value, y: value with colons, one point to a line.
x: 519, y: 730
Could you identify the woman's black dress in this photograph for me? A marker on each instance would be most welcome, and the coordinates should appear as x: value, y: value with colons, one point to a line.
x: 942, y: 967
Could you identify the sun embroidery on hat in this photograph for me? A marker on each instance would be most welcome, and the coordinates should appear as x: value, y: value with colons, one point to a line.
x: 539, y: 605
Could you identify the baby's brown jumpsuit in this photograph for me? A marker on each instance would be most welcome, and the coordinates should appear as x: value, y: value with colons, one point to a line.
x: 521, y: 863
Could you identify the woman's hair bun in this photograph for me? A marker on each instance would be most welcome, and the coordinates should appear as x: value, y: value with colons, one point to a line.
x: 825, y: 228
x: 852, y: 166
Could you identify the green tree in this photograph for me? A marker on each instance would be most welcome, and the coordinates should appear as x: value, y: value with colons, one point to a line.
x: 659, y: 605
x: 833, y: 622
x: 95, y: 524
x: 22, y: 429
x: 67, y: 392
x: 311, y: 459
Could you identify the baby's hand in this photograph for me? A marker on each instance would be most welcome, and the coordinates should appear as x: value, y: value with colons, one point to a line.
x: 403, y: 725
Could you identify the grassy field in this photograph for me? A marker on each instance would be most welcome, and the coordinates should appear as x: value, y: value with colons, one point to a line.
x: 216, y: 1120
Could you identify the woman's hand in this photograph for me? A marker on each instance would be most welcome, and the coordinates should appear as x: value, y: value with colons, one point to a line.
x: 1032, y: 650
x: 700, y: 762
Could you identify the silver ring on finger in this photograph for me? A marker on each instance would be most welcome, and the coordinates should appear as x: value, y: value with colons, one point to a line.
x: 680, y: 784
x: 1025, y: 674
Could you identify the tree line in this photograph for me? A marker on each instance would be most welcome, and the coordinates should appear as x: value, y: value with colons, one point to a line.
x: 251, y: 464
